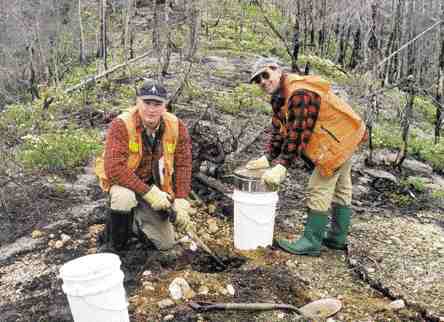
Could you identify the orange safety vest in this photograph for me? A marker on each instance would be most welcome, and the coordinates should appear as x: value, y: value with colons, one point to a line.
x: 338, y: 129
x: 169, y: 141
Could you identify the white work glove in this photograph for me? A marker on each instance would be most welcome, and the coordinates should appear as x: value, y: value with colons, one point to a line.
x: 274, y: 176
x: 183, y: 210
x: 158, y: 199
x: 261, y: 163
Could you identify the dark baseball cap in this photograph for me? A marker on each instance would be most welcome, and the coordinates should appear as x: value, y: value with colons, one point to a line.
x: 152, y: 91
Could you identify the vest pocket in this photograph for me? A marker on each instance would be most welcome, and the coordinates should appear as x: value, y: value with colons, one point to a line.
x: 330, y: 133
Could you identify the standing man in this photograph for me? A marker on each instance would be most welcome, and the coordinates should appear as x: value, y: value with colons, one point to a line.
x: 146, y: 169
x: 309, y: 121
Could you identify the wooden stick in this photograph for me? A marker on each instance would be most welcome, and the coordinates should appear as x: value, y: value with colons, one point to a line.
x: 244, y: 307
x: 105, y: 73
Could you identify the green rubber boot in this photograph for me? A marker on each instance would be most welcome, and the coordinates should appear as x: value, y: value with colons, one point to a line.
x: 337, y: 235
x: 310, y: 243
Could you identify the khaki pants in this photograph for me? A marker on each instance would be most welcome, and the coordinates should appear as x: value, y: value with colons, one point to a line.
x: 146, y: 220
x: 322, y: 191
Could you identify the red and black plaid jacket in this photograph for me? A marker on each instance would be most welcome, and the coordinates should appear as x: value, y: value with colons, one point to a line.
x: 303, y: 111
x: 116, y: 160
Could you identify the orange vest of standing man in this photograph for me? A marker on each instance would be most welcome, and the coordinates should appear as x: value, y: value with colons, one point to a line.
x: 338, y: 129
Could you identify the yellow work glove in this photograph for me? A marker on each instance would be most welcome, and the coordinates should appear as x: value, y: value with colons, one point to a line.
x: 274, y: 176
x: 261, y: 163
x: 183, y: 210
x: 158, y: 199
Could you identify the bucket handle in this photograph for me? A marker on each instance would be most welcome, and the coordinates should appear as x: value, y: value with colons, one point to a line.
x: 77, y: 292
x: 114, y: 309
x: 257, y: 219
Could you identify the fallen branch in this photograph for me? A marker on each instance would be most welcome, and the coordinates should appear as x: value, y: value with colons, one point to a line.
x: 92, y: 79
x: 212, y: 183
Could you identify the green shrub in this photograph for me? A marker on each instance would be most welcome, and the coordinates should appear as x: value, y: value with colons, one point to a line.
x: 417, y: 183
x: 60, y: 151
x: 401, y: 200
x: 438, y: 194
x: 243, y: 97
x: 426, y: 108
x: 387, y: 136
x: 325, y: 67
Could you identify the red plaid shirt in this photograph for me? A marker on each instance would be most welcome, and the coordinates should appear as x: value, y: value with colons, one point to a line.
x: 303, y: 110
x: 116, y: 160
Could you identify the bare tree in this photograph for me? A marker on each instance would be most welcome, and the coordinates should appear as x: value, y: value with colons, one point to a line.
x: 440, y: 87
x: 194, y: 23
x: 82, y: 57
x: 102, y: 49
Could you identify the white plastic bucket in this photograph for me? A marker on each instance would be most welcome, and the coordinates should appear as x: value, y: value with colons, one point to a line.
x: 254, y: 214
x: 94, y: 286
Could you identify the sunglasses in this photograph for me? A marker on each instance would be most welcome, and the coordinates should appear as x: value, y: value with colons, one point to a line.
x: 264, y: 75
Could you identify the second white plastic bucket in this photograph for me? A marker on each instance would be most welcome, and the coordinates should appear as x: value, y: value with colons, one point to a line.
x: 254, y: 214
x: 94, y: 286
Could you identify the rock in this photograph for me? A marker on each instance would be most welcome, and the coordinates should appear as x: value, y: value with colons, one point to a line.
x: 58, y: 244
x: 37, y: 234
x: 417, y: 167
x: 281, y: 315
x: 381, y: 174
x: 147, y: 273
x: 397, y: 305
x: 222, y: 290
x: 360, y: 190
x: 212, y: 208
x: 203, y: 290
x: 193, y: 246
x: 148, y: 286
x: 179, y: 289
x: 321, y: 309
x: 230, y: 289
x: 165, y: 303
x: 384, y: 157
x: 212, y: 225
x: 65, y: 238
x: 168, y: 317
x: 290, y: 263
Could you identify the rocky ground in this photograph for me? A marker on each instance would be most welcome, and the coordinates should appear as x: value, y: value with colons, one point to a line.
x: 392, y: 270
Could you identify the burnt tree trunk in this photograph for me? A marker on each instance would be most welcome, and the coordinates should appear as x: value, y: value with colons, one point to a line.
x: 372, y: 44
x: 343, y: 45
x: 356, y: 52
x: 102, y: 50
x: 440, y: 87
x: 323, y: 29
x: 82, y: 56
x: 405, y: 123
x: 296, y: 45
x: 391, y: 67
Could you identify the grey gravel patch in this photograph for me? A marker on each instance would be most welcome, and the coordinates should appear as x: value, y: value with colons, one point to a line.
x: 403, y: 258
